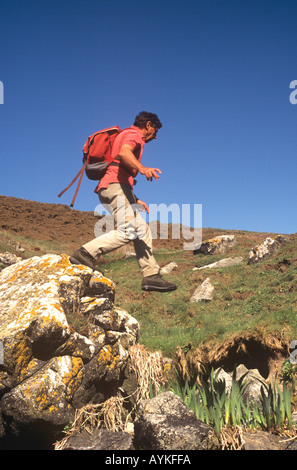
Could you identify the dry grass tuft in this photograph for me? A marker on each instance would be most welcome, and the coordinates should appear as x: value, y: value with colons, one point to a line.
x: 108, y: 415
x: 150, y: 370
x: 231, y: 438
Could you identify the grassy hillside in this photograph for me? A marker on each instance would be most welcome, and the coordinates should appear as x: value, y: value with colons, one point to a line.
x: 252, y: 303
x: 252, y: 318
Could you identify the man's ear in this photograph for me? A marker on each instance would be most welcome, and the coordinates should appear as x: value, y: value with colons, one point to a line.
x: 148, y: 124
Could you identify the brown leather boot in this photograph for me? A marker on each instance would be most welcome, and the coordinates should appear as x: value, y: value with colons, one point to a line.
x: 157, y: 283
x: 82, y: 256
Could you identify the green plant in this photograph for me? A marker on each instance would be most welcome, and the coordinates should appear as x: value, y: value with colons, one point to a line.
x: 274, y: 412
x: 288, y: 373
x: 212, y: 404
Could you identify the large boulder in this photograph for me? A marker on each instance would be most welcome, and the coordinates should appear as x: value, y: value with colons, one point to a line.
x: 65, y: 343
x: 216, y: 245
x: 265, y: 249
x: 166, y: 423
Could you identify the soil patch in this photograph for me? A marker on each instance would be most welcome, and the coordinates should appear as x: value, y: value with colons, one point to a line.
x: 256, y: 350
x: 43, y: 221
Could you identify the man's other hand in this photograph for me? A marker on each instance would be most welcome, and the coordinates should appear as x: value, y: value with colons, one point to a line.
x: 150, y: 173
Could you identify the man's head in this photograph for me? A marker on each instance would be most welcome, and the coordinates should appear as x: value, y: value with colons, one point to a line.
x: 149, y: 124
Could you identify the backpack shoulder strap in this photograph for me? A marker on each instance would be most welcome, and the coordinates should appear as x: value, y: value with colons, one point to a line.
x: 79, y: 175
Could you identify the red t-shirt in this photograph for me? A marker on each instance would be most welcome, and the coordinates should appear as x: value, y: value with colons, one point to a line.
x: 120, y: 174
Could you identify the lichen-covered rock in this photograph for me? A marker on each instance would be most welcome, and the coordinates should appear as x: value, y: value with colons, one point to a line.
x: 46, y: 395
x: 9, y: 258
x: 265, y: 249
x: 49, y: 368
x: 217, y: 245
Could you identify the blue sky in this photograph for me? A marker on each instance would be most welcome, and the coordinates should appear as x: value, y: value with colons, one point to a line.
x: 217, y: 73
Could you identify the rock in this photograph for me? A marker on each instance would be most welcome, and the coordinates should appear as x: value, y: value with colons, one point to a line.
x: 262, y: 440
x: 166, y: 423
x: 223, y: 263
x: 46, y: 396
x: 168, y: 268
x: 205, y: 292
x: 8, y: 258
x: 266, y: 249
x: 99, y: 439
x: 217, y: 245
x: 253, y: 378
x: 254, y: 382
x: 50, y: 369
x: 16, y: 245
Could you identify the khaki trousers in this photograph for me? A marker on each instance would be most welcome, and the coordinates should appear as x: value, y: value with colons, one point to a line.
x: 127, y: 225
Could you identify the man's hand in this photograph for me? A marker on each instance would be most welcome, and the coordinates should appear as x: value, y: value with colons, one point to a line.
x: 128, y: 159
x: 144, y: 205
x: 150, y: 173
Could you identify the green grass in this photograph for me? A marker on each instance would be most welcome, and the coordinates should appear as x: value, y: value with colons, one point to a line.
x: 246, y: 297
x: 32, y: 247
x: 213, y: 405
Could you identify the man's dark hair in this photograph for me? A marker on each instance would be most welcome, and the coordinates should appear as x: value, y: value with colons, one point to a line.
x: 143, y: 117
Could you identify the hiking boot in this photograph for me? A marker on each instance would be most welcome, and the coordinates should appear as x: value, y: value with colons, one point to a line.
x: 82, y: 256
x: 157, y: 283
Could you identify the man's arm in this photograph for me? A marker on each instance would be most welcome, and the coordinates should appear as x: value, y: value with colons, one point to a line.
x: 130, y: 161
x: 144, y: 206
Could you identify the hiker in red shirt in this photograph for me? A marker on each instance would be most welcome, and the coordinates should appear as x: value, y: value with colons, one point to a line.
x: 116, y: 190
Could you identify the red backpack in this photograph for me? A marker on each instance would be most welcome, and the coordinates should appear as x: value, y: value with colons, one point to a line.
x: 96, y: 157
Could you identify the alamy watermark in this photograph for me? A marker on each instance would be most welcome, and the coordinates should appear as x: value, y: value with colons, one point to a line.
x: 1, y: 93
x: 293, y: 94
x: 127, y: 223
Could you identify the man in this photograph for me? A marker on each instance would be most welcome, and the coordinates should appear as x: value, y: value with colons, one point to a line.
x: 115, y: 190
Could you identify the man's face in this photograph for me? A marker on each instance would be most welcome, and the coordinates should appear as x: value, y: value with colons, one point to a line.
x: 151, y: 133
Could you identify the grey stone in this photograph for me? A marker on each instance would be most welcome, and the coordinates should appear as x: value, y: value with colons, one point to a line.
x: 223, y: 263
x: 99, y: 439
x: 166, y: 423
x: 205, y: 292
x: 168, y: 268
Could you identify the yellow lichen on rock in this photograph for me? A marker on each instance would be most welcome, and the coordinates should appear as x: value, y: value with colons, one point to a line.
x: 49, y: 367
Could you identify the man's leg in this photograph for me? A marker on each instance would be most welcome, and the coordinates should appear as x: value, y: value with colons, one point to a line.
x: 129, y: 226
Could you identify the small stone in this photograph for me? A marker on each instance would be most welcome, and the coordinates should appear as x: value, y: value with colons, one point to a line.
x: 168, y: 268
x: 204, y: 292
x: 223, y: 263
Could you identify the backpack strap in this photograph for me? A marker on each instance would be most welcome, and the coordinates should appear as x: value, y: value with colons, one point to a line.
x: 79, y: 175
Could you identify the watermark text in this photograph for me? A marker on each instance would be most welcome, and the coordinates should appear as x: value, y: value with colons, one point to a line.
x: 1, y: 93
x: 126, y: 224
x: 293, y: 94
